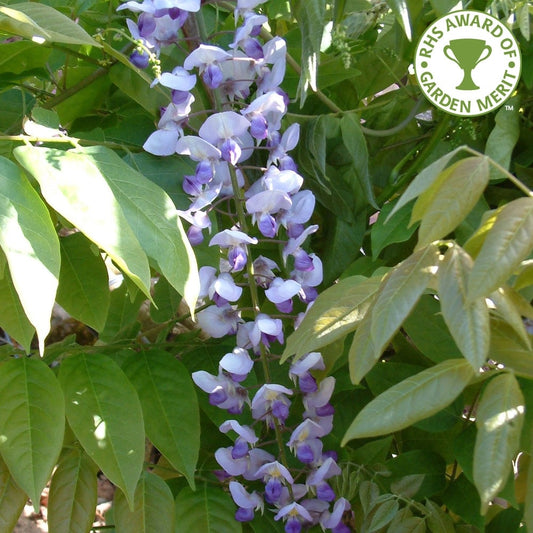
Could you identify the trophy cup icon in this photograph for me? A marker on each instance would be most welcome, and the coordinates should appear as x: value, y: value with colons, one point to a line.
x: 467, y: 53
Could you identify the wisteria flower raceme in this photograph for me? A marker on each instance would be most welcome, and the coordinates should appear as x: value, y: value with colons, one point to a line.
x: 257, y: 203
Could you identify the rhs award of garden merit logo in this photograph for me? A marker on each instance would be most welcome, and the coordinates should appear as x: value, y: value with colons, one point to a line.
x: 467, y: 63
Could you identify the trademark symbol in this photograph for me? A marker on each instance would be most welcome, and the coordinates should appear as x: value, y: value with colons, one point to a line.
x: 509, y: 107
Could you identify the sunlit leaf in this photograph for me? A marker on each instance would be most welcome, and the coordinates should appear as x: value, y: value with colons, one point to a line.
x: 499, y: 419
x: 165, y: 387
x: 12, y: 499
x: 399, y: 293
x: 362, y: 354
x: 336, y: 312
x: 509, y: 242
x: 31, y: 246
x: 77, y: 190
x: 153, y: 508
x: 411, y: 400
x: 401, y: 9
x: 445, y: 209
x: 468, y: 322
x: 105, y: 414
x: 208, y: 510
x: 32, y: 423
x: 73, y: 494
x: 36, y: 17
x: 83, y: 281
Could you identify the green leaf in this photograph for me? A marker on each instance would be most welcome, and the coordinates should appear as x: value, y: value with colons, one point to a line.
x: 509, y: 305
x: 165, y: 387
x: 22, y: 56
x: 528, y: 507
x: 424, y: 180
x: 426, y: 328
x: 310, y: 15
x: 153, y: 508
x: 499, y: 420
x: 153, y: 218
x: 32, y: 18
x: 400, y: 9
x: 508, y: 242
x: 445, y: 209
x: 12, y: 500
x: 437, y: 520
x: 73, y: 494
x: 122, y: 320
x: 355, y: 143
x: 361, y: 356
x: 399, y: 293
x: 15, y: 22
x: 76, y: 189
x: 167, y: 300
x: 462, y: 499
x: 503, y: 137
x: 383, y: 515
x: 506, y: 348
x: 411, y: 400
x: 13, y: 320
x: 105, y: 414
x: 31, y: 246
x: 468, y: 322
x: 335, y: 313
x: 83, y: 281
x: 386, y: 231
x: 32, y: 423
x: 208, y: 510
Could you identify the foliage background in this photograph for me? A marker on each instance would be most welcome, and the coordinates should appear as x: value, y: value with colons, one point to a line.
x: 415, y: 417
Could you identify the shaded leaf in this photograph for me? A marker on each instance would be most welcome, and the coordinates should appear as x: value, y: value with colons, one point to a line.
x: 437, y: 520
x: 208, y: 510
x: 335, y: 313
x: 468, y: 322
x: 58, y: 28
x: 445, y: 209
x: 32, y: 423
x: 399, y: 293
x: 83, y: 282
x: 509, y: 242
x: 22, y: 56
x: 386, y: 231
x: 78, y: 191
x: 499, y: 420
x: 528, y: 507
x: 105, y: 414
x: 13, y: 320
x: 355, y: 143
x: 411, y: 400
x: 31, y: 246
x: 424, y: 180
x: 12, y: 499
x: 165, y: 387
x: 153, y: 508
x: 384, y: 514
x: 73, y: 494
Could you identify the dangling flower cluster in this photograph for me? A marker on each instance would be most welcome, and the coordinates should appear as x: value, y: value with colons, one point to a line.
x: 271, y: 209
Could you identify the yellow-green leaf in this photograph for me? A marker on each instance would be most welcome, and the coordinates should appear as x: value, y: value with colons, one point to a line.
x: 445, y: 208
x: 411, y: 400
x: 399, y: 293
x: 509, y: 241
x: 506, y: 348
x: 468, y: 322
x: 362, y: 354
x: 499, y: 420
x: 335, y: 313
